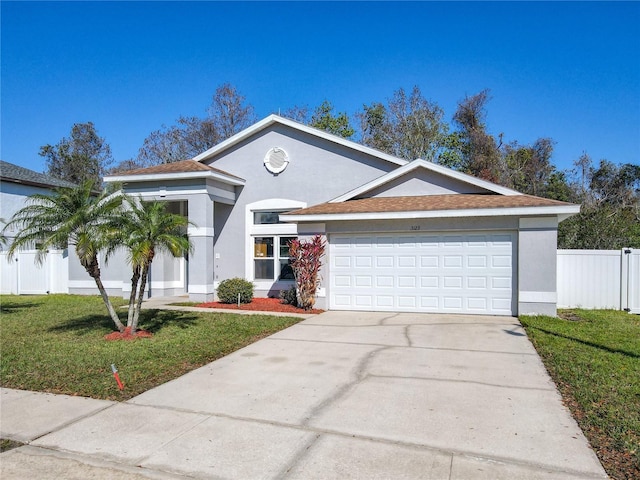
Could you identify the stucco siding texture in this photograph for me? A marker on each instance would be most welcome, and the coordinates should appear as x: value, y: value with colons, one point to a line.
x: 422, y: 182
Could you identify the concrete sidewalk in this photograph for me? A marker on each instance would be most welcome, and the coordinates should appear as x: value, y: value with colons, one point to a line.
x: 339, y: 395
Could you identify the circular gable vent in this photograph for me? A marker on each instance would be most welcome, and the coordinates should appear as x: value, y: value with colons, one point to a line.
x: 276, y: 160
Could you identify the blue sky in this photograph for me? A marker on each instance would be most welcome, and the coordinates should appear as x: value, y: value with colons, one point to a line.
x: 569, y: 71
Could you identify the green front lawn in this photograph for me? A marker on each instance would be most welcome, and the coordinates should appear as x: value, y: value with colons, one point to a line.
x: 594, y: 358
x: 56, y: 344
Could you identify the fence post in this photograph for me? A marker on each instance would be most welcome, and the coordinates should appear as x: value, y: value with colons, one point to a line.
x: 624, y: 278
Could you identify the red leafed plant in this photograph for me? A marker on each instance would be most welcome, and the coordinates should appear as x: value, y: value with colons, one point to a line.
x: 305, y: 261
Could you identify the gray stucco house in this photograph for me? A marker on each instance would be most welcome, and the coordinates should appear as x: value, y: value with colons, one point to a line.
x: 401, y: 236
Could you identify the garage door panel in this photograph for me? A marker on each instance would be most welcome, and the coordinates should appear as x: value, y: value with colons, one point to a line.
x: 452, y: 261
x: 407, y: 302
x: 454, y: 303
x: 476, y: 261
x: 430, y: 261
x: 501, y: 283
x: 363, y: 300
x: 363, y: 262
x: 476, y: 282
x: 405, y: 261
x: 341, y: 261
x: 469, y: 272
x: 341, y: 300
x: 501, y: 305
x: 405, y: 281
x: 429, y: 282
x: 341, y: 281
x: 430, y: 303
x: 364, y: 280
x: 451, y: 282
x: 384, y: 301
x: 384, y: 262
x: 501, y: 261
x: 477, y: 303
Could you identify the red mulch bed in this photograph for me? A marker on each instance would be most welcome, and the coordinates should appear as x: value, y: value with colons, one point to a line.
x: 261, y: 305
x: 126, y: 335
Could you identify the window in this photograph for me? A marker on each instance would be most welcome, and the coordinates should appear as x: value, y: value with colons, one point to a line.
x: 271, y: 258
x: 266, y: 260
x: 267, y: 218
x: 286, y: 272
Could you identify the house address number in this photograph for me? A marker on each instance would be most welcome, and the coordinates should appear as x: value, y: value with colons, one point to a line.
x: 415, y: 227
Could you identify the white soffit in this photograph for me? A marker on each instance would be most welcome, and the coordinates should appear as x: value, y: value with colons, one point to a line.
x: 420, y: 163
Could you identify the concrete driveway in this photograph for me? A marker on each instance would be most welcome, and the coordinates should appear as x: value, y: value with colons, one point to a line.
x: 344, y: 395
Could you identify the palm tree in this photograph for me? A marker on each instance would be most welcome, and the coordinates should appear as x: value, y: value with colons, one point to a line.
x: 149, y: 229
x: 70, y: 216
x: 3, y: 238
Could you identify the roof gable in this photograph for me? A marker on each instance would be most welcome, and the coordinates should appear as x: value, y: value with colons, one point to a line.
x: 276, y: 119
x: 418, y: 178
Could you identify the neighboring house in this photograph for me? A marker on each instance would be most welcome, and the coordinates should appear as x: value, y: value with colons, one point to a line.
x: 17, y: 184
x: 21, y: 274
x: 401, y: 236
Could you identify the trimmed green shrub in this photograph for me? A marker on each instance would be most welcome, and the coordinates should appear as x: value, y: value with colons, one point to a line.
x: 229, y: 289
x: 289, y: 297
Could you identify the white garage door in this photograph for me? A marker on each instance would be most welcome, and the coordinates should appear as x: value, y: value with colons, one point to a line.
x: 440, y: 273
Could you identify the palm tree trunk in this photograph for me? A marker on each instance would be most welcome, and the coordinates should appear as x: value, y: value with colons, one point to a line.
x: 107, y: 302
x: 143, y: 286
x: 94, y: 272
x: 132, y: 297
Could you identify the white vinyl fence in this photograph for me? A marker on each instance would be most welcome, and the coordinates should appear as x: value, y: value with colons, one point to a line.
x: 23, y: 276
x: 599, y: 279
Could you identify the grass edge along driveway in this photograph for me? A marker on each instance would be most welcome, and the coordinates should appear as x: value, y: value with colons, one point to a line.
x: 55, y: 343
x: 593, y: 357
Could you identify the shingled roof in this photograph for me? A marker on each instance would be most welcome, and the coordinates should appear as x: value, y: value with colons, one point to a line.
x: 427, y: 203
x: 183, y: 166
x: 17, y: 174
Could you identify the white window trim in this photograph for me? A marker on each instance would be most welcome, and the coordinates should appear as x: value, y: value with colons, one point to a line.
x: 275, y: 230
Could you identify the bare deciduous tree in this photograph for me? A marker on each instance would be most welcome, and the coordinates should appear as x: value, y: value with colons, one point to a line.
x: 227, y: 115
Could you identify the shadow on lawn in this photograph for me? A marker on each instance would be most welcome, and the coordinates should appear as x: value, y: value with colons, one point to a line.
x: 155, y: 320
x: 13, y: 307
x: 588, y: 343
x: 151, y: 320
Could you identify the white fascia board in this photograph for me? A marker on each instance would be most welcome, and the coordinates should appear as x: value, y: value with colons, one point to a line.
x: 272, y: 119
x: 420, y: 163
x: 475, y: 212
x: 158, y: 177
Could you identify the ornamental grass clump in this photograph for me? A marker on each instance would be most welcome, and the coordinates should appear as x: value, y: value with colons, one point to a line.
x: 235, y: 290
x: 306, y: 263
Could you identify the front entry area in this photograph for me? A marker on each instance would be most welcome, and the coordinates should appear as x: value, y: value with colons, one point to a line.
x: 471, y: 272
